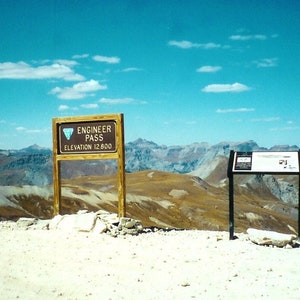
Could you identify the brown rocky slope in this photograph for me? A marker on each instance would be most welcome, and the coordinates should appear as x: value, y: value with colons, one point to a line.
x: 158, y: 199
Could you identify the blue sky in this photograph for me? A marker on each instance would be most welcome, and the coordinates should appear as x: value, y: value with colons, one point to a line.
x: 180, y: 71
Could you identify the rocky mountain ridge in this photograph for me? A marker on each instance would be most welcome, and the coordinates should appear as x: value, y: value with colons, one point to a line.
x: 33, y: 165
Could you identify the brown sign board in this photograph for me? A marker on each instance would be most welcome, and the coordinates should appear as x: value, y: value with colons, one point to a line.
x: 87, y: 137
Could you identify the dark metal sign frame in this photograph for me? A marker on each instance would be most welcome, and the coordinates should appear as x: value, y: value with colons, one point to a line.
x: 261, y: 162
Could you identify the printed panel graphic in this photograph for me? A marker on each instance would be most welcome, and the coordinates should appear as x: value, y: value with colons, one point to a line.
x: 265, y: 162
x: 243, y: 161
x: 275, y: 162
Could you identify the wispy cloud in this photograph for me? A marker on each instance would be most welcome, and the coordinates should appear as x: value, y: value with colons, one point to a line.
x: 131, y: 69
x: 26, y: 130
x: 266, y: 62
x: 286, y: 128
x: 239, y: 37
x: 63, y: 107
x: 269, y: 119
x: 78, y: 56
x: 66, y: 107
x: 188, y: 45
x: 114, y: 101
x: 22, y: 70
x: 234, y: 110
x: 89, y: 106
x: 79, y: 90
x: 289, y: 127
x: 209, y: 69
x: 225, y: 88
x: 66, y: 62
x: 107, y: 59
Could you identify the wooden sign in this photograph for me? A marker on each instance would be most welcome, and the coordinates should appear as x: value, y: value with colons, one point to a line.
x: 87, y: 138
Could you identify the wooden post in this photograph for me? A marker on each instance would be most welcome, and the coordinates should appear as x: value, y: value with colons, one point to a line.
x: 56, y: 173
x: 121, y: 168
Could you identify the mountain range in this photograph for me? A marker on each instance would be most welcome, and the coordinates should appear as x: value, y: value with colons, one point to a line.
x: 167, y: 180
x: 33, y: 165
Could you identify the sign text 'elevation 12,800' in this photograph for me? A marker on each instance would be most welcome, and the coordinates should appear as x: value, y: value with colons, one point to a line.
x: 87, y: 137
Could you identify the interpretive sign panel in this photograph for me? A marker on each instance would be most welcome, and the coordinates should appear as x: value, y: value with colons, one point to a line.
x: 261, y: 162
x: 87, y: 137
x: 268, y: 162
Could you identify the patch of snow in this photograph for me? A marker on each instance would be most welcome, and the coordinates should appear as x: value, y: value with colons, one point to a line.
x: 177, y: 194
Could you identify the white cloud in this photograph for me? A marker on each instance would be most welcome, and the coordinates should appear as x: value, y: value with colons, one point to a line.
x: 188, y: 45
x: 66, y: 62
x: 66, y: 107
x: 25, y: 130
x: 78, y: 56
x: 22, y: 70
x: 131, y: 69
x: 269, y: 119
x: 107, y: 59
x: 225, y: 88
x: 234, y: 110
x: 113, y: 101
x: 210, y: 46
x: 183, y: 44
x: 239, y: 37
x: 209, y: 69
x: 63, y: 107
x: 287, y: 128
x: 79, y: 90
x: 20, y: 128
x: 266, y: 62
x: 89, y: 106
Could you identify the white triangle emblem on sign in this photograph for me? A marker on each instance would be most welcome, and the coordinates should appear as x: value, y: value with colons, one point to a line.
x: 68, y: 132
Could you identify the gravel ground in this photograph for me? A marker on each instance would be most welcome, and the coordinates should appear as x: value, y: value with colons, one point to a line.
x: 191, y: 264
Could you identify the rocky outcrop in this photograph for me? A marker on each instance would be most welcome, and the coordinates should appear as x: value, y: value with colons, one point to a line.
x: 281, y: 189
x: 95, y: 222
x: 271, y: 238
